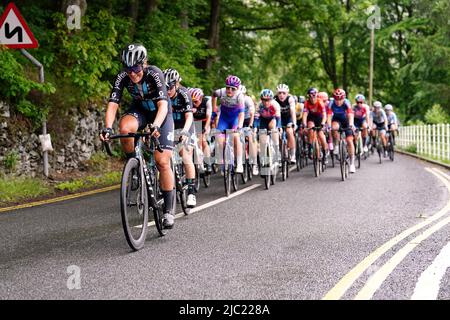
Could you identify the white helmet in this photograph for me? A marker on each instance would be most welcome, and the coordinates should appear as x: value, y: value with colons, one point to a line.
x: 377, y: 104
x: 134, y: 54
x: 171, y: 76
x: 388, y: 107
x: 282, y: 88
x: 243, y: 89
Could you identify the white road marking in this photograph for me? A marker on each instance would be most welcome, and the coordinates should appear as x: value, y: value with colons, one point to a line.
x: 210, y: 204
x: 427, y: 287
x: 377, y: 279
x: 347, y: 281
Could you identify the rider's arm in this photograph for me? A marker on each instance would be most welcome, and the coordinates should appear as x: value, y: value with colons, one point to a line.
x: 292, y: 108
x: 304, y: 116
x: 110, y: 116
x: 208, y: 114
x: 251, y: 111
x: 241, y: 106
x: 188, y: 115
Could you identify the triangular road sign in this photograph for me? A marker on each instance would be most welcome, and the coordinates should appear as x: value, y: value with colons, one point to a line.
x: 14, y: 31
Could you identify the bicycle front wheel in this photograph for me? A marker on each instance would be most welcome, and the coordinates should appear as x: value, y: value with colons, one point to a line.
x: 134, y: 204
x: 342, y: 160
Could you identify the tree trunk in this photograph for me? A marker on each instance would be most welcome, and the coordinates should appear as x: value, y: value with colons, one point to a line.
x: 151, y: 6
x: 213, y: 39
x: 133, y: 14
x: 345, y: 50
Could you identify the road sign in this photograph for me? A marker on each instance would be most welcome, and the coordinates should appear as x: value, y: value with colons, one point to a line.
x: 14, y: 31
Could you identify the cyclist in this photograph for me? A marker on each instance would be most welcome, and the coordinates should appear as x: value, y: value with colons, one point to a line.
x: 324, y: 97
x: 362, y: 118
x: 380, y: 123
x: 269, y: 115
x: 202, y: 114
x: 314, y: 115
x: 230, y: 115
x: 340, y: 115
x: 299, y: 110
x: 150, y: 105
x: 287, y: 105
x: 393, y: 122
x: 183, y: 120
x: 249, y: 119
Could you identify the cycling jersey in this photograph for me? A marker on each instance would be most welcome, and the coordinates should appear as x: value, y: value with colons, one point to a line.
x: 144, y: 105
x: 181, y: 104
x: 360, y: 112
x: 340, y: 112
x: 230, y: 107
x: 285, y: 108
x: 249, y: 105
x: 299, y: 110
x: 392, y: 118
x: 268, y: 112
x: 379, y: 117
x: 317, y: 109
x: 148, y: 91
x: 203, y: 109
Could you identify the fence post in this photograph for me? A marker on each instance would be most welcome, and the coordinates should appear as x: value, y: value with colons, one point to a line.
x: 448, y: 141
x: 438, y: 138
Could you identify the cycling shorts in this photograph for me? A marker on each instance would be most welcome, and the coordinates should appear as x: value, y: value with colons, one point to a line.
x: 343, y: 123
x: 144, y: 118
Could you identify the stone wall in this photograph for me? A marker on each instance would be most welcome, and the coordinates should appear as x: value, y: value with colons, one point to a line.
x: 25, y: 146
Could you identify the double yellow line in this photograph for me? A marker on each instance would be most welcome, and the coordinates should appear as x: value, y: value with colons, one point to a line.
x: 63, y: 198
x: 375, y: 281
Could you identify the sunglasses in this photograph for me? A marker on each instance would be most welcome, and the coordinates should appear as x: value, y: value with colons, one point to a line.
x: 232, y: 88
x: 265, y: 100
x: 136, y: 69
x: 359, y: 102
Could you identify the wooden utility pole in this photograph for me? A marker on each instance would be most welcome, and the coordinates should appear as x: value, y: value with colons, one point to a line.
x: 372, y: 49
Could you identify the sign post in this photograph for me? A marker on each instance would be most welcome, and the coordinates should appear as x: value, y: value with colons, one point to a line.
x: 15, y: 34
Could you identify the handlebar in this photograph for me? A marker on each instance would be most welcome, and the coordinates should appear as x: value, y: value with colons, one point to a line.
x: 135, y: 135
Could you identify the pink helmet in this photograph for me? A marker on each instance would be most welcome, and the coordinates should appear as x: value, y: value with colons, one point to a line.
x: 339, y: 94
x: 196, y: 93
x: 232, y: 81
x: 322, y: 96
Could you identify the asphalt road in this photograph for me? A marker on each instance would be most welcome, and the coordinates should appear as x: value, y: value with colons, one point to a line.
x: 296, y: 241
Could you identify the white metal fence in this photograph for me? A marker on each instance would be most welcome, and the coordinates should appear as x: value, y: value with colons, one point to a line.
x: 430, y: 140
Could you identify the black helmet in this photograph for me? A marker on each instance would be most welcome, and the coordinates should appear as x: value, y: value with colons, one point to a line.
x: 134, y: 54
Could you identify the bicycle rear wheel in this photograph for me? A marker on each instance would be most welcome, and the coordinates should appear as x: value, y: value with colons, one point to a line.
x: 234, y: 178
x: 391, y: 147
x: 134, y: 204
x: 206, y: 176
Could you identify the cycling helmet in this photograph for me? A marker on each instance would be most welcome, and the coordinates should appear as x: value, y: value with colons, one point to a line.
x: 301, y: 99
x: 196, y: 93
x: 171, y: 76
x: 312, y: 92
x: 282, y: 88
x: 339, y: 94
x: 322, y: 96
x: 134, y: 54
x: 388, y: 107
x: 360, y: 98
x: 377, y: 104
x: 266, y: 94
x: 232, y: 81
x: 243, y: 89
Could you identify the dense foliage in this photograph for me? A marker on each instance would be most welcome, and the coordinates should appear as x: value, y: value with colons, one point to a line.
x: 300, y: 42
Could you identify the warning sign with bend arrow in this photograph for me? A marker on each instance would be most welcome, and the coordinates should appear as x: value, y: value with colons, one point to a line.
x: 14, y: 31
